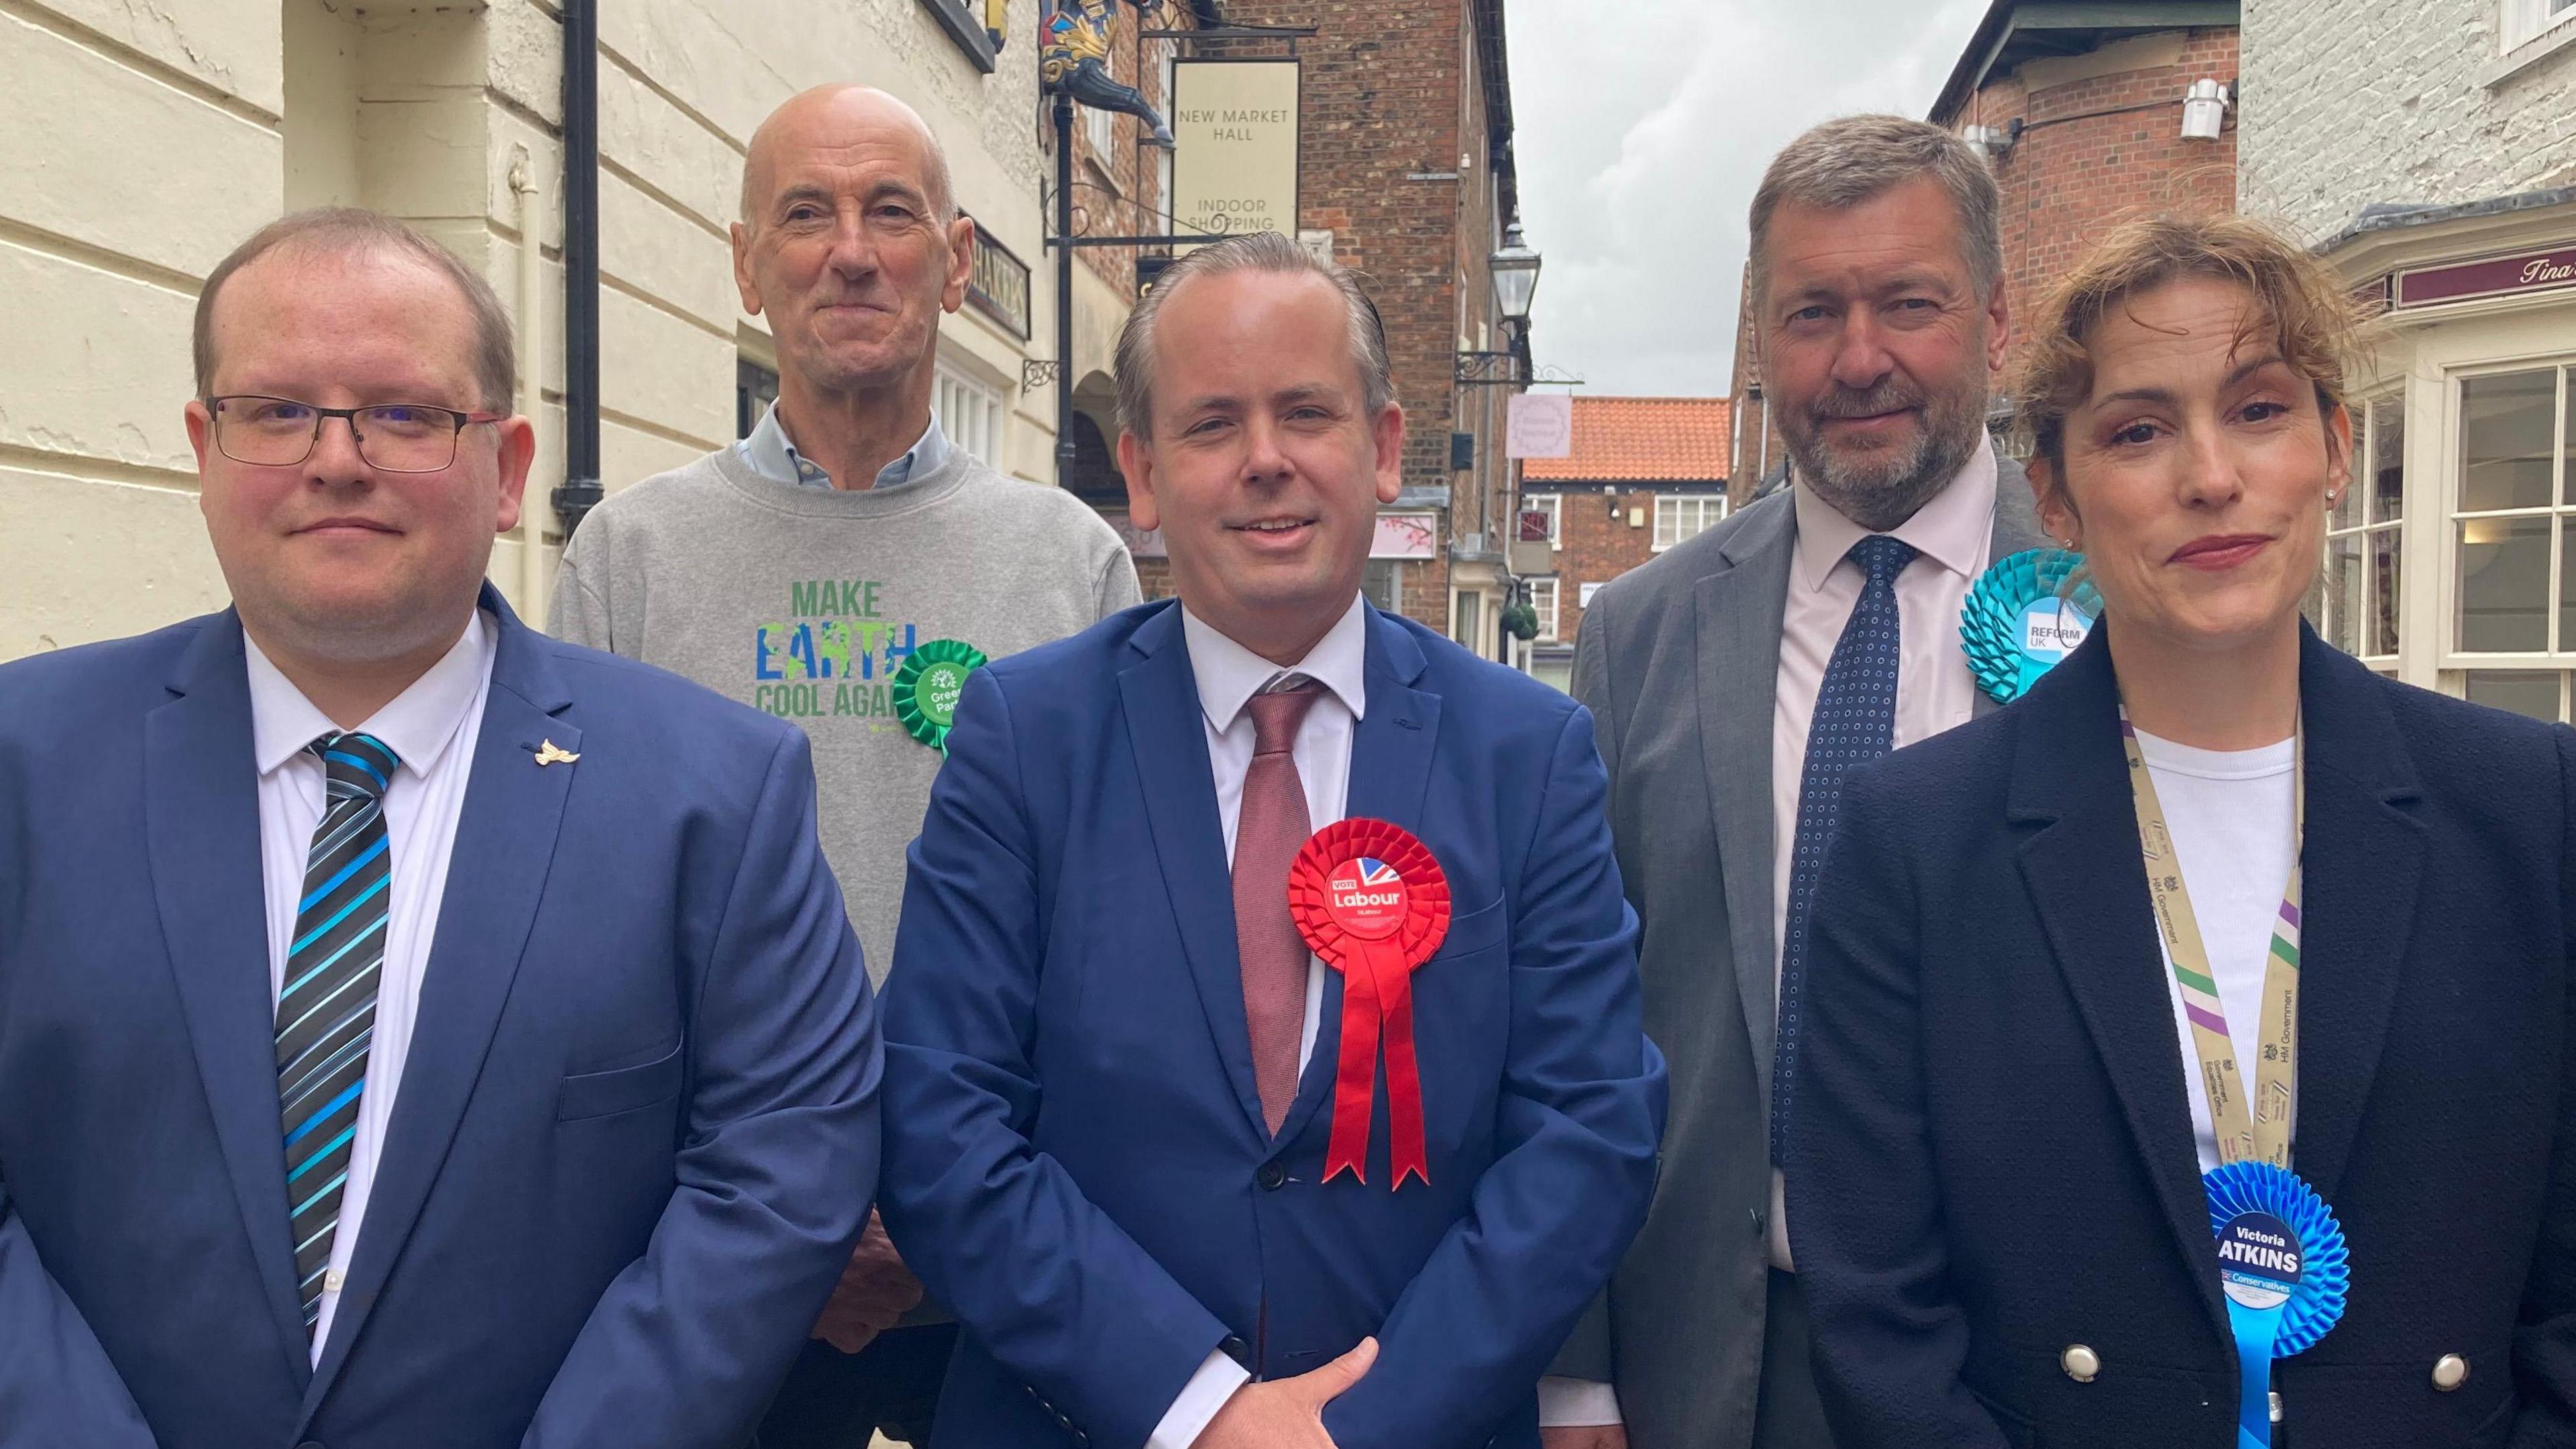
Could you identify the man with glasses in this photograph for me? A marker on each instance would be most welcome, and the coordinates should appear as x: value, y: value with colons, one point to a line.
x: 413, y: 1031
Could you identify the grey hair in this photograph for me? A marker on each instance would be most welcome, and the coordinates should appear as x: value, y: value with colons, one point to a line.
x: 1258, y: 251
x: 1846, y: 162
x: 348, y: 231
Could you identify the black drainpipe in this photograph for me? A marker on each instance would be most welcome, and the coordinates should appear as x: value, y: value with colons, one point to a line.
x: 580, y: 490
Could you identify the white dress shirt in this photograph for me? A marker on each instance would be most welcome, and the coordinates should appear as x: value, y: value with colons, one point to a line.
x: 433, y: 727
x: 1228, y: 676
x: 2233, y: 815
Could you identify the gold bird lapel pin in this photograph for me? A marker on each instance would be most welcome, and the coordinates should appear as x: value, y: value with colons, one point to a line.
x: 554, y: 754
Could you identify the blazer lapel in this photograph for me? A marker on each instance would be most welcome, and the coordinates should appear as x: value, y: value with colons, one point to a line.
x: 2088, y: 884
x: 1391, y: 755
x: 496, y: 877
x: 1161, y: 699
x: 1741, y: 608
x: 2016, y: 529
x: 201, y: 821
x: 2364, y: 856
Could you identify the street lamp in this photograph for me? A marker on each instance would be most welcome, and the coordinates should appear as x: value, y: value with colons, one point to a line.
x: 1515, y: 270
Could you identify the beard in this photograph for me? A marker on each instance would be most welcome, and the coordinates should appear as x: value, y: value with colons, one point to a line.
x: 1879, y: 488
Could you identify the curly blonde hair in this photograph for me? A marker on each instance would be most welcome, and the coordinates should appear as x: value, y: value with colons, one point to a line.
x: 2301, y: 304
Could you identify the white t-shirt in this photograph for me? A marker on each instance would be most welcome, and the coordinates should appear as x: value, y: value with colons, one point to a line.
x: 2233, y: 815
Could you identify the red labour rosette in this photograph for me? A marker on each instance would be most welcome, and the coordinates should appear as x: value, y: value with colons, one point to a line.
x: 1370, y: 899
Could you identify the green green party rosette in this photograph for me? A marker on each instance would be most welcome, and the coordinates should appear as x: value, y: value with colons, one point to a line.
x: 2021, y: 618
x: 927, y: 686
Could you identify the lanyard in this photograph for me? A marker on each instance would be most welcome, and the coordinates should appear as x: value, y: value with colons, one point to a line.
x: 2263, y: 1134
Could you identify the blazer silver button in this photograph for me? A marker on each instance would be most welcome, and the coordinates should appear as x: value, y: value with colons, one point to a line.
x: 2449, y: 1372
x: 2081, y: 1364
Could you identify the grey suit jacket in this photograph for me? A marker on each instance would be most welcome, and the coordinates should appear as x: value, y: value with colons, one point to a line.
x: 1678, y: 661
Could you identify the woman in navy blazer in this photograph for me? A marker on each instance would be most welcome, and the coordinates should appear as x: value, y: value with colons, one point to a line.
x: 1995, y: 1170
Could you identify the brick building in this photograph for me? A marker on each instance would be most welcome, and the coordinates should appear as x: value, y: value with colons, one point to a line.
x: 2081, y: 108
x: 1406, y: 173
x: 1757, y: 449
x: 1645, y: 474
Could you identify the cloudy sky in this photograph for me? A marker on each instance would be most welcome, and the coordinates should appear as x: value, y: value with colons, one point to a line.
x: 1643, y: 126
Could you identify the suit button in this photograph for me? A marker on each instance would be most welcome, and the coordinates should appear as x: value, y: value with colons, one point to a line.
x: 1237, y: 1350
x: 2449, y: 1372
x: 2081, y: 1364
x: 1271, y: 1176
x: 1761, y: 1223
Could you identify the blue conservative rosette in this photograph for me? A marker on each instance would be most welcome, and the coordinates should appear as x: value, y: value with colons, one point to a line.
x: 2021, y: 618
x: 2283, y: 1267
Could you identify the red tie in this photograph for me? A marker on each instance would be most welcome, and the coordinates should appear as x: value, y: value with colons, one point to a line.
x: 1268, y: 834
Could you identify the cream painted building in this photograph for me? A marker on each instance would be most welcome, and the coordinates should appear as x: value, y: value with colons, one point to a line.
x: 2429, y: 152
x: 146, y: 140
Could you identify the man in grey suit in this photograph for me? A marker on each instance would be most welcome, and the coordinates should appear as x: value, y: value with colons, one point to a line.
x: 1826, y: 615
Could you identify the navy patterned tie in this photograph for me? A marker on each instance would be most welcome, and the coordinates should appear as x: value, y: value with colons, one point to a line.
x: 1855, y: 722
x: 326, y: 1006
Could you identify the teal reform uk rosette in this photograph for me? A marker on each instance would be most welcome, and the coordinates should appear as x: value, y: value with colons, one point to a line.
x: 2283, y: 1267
x: 2021, y: 618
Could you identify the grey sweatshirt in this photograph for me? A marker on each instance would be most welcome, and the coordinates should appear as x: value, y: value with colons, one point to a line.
x: 805, y: 602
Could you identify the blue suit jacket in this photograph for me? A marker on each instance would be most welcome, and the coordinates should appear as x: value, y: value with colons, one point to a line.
x: 1076, y: 1158
x: 637, y: 1131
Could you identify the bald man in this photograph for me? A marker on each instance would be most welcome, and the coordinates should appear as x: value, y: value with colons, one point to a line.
x: 843, y: 567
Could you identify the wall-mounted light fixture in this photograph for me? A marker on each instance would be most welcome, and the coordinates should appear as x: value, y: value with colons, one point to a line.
x: 1993, y: 140
x: 2204, y: 110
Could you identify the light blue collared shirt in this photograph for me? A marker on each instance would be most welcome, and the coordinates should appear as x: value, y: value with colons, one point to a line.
x: 773, y: 457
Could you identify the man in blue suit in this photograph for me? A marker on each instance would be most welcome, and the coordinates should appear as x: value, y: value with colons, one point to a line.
x: 413, y: 1031
x: 1111, y: 1058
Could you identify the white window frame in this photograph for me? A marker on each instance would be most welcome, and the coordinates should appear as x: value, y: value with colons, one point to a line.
x: 1551, y: 504
x: 971, y: 413
x: 1101, y: 127
x: 2523, y: 21
x: 1668, y: 509
x: 2460, y: 667
x: 1467, y: 620
x: 2356, y: 519
x: 1543, y: 599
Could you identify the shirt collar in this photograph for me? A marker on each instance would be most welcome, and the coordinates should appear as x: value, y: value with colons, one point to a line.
x: 1953, y: 530
x: 773, y: 457
x: 1229, y: 675
x: 416, y: 725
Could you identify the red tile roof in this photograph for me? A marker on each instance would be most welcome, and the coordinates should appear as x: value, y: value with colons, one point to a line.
x: 1642, y: 439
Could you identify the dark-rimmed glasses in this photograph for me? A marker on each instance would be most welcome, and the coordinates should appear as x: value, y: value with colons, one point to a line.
x: 279, y: 432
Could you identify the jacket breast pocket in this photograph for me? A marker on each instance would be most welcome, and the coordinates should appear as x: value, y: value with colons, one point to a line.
x: 1476, y: 930
x: 626, y: 1089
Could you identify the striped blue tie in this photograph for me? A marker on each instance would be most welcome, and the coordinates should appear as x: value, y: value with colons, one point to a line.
x: 326, y: 1008
x: 1854, y: 723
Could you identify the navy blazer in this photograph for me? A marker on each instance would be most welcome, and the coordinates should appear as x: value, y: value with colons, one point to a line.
x: 1076, y: 1158
x: 1992, y: 1159
x: 637, y: 1130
